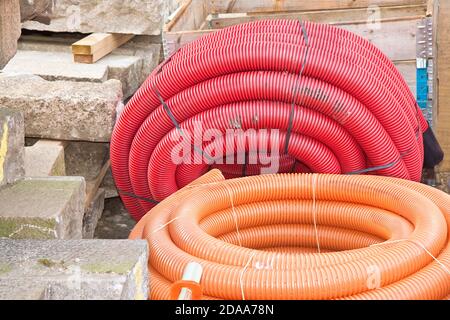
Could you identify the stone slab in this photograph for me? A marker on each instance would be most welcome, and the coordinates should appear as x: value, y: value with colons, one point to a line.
x: 55, y: 66
x: 63, y: 110
x: 45, y: 158
x: 21, y: 290
x: 93, y: 214
x: 74, y: 269
x: 11, y: 146
x: 85, y: 158
x: 43, y: 208
x: 9, y: 29
x: 36, y: 10
x: 60, y: 66
x: 131, y: 63
x: 140, y: 17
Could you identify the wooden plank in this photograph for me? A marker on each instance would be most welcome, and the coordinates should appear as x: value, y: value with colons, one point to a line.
x: 442, y: 124
x: 93, y: 185
x: 190, y: 16
x: 174, y: 40
x: 396, y: 39
x: 408, y: 70
x: 81, y: 58
x: 223, y: 6
x: 218, y: 21
x: 430, y: 8
x: 98, y: 45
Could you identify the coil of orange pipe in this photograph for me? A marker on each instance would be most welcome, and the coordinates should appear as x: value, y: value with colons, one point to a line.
x: 302, y: 236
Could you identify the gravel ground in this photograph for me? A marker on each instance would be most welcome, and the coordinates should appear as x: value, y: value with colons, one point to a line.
x: 115, y: 222
x: 444, y: 181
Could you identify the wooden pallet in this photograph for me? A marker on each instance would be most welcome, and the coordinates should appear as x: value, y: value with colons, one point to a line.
x: 389, y: 24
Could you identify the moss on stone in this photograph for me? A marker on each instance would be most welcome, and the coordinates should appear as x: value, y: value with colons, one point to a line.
x: 5, y: 268
x: 27, y: 228
x: 108, y: 267
x: 51, y: 263
x: 44, y: 185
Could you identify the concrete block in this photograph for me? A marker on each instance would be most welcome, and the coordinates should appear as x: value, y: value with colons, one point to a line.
x: 11, y: 146
x: 93, y: 213
x: 63, y: 110
x: 43, y: 208
x: 113, y: 16
x: 45, y: 158
x: 73, y: 269
x: 9, y: 29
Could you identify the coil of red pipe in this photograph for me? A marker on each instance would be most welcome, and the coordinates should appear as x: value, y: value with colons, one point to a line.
x: 353, y: 110
x: 302, y: 236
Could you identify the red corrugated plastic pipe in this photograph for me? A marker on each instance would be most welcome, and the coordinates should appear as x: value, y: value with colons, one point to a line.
x: 352, y: 109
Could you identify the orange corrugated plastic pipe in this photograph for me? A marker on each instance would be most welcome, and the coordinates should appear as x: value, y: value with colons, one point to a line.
x: 259, y: 238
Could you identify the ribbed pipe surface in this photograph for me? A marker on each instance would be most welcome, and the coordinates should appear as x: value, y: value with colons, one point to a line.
x: 302, y: 236
x: 352, y: 108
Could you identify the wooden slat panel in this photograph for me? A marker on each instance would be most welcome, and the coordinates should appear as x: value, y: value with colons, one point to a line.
x: 395, y: 38
x: 408, y: 71
x: 189, y: 16
x: 442, y: 124
x: 222, y: 6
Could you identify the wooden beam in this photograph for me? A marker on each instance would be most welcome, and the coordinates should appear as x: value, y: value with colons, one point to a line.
x: 395, y: 13
x: 430, y: 8
x: 80, y: 58
x: 97, y: 45
x: 223, y: 6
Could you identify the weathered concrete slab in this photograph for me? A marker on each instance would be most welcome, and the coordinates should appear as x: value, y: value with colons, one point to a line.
x: 55, y: 66
x: 21, y: 290
x: 11, y: 146
x: 43, y: 208
x: 116, y: 16
x: 60, y: 66
x: 126, y: 69
x: 131, y: 63
x: 85, y: 158
x: 45, y: 158
x: 9, y: 29
x: 63, y: 110
x: 93, y: 213
x: 88, y: 159
x: 74, y: 269
x: 109, y: 185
